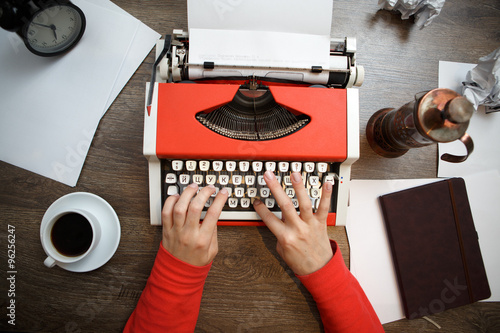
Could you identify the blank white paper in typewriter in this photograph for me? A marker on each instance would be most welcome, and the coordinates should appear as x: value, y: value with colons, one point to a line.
x: 287, y: 33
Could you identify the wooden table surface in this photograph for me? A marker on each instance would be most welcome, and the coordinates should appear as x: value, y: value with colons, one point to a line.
x: 249, y: 287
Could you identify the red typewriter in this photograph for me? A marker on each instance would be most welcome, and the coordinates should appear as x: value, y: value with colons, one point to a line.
x: 212, y: 126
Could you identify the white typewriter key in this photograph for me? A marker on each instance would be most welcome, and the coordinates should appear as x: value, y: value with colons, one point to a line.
x: 223, y: 179
x: 229, y: 191
x: 287, y: 181
x: 314, y: 180
x: 198, y: 179
x: 251, y: 192
x: 250, y: 180
x: 184, y: 179
x: 211, y: 179
x: 283, y: 166
x: 239, y: 192
x: 244, y: 166
x: 217, y: 165
x: 171, y: 178
x: 172, y: 189
x: 245, y: 202
x: 209, y: 202
x: 322, y: 167
x: 237, y: 179
x: 257, y: 166
x: 270, y: 202
x: 232, y: 202
x: 190, y: 165
x: 270, y: 166
x: 230, y: 166
x: 295, y: 203
x: 264, y: 192
x: 204, y: 165
x: 177, y: 165
x: 290, y: 191
x: 309, y: 167
x: 215, y: 193
x: 329, y: 178
x: 296, y: 166
x: 260, y: 180
x: 313, y: 204
x: 315, y: 192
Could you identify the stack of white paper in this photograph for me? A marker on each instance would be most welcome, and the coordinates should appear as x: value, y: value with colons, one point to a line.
x: 50, y: 107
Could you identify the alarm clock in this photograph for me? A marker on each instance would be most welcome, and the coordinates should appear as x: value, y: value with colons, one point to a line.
x: 48, y: 28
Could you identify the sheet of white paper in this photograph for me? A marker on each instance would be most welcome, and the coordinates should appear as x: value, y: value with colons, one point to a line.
x: 483, y: 130
x: 50, y: 107
x: 370, y: 256
x: 279, y: 33
x: 369, y: 247
x: 140, y: 46
x: 484, y: 194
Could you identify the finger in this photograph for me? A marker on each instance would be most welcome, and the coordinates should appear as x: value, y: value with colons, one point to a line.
x: 197, y: 204
x: 324, y: 203
x: 305, y: 205
x: 181, y: 207
x: 167, y: 212
x: 286, y: 206
x: 272, y: 222
x: 213, y: 213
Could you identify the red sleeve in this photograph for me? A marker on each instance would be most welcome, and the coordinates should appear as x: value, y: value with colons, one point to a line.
x: 341, y: 302
x: 171, y: 299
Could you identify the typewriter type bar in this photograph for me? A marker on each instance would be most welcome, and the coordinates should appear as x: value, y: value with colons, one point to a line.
x: 214, y: 130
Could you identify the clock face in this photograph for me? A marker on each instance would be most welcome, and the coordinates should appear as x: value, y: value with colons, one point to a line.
x: 54, y: 30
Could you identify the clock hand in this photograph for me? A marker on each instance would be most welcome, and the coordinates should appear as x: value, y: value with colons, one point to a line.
x: 53, y: 27
x: 43, y: 25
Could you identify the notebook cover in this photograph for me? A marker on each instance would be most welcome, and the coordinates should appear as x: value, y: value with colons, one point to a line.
x: 435, y: 247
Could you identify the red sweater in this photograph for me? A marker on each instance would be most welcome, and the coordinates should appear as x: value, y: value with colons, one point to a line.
x: 171, y: 300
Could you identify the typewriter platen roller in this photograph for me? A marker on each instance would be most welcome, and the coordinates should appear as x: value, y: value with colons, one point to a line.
x: 342, y: 73
x: 216, y: 124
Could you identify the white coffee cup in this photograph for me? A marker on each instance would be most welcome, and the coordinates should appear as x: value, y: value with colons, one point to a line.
x: 69, y: 235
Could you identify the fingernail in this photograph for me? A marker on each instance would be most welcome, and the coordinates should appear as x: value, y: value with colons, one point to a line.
x: 328, y: 186
x: 223, y: 191
x: 296, y: 177
x: 193, y: 185
x: 269, y: 175
x: 211, y: 186
x: 257, y: 202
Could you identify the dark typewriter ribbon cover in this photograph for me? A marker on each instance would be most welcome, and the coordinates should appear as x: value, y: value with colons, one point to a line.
x: 435, y: 247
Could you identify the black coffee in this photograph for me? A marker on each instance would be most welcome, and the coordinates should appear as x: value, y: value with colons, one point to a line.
x: 72, y: 234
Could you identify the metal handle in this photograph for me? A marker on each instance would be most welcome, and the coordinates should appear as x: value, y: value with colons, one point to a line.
x: 469, y: 145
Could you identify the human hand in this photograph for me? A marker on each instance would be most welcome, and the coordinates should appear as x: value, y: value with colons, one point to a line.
x: 183, y: 235
x: 302, y: 240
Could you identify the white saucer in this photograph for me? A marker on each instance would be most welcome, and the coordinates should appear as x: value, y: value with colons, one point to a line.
x: 110, y: 228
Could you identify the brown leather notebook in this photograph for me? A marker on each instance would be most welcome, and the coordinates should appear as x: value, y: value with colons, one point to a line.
x: 435, y: 247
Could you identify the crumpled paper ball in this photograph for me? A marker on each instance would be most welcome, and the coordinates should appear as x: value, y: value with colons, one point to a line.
x: 424, y: 10
x: 482, y: 83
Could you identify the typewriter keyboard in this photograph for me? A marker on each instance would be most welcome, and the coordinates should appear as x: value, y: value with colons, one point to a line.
x: 245, y: 183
